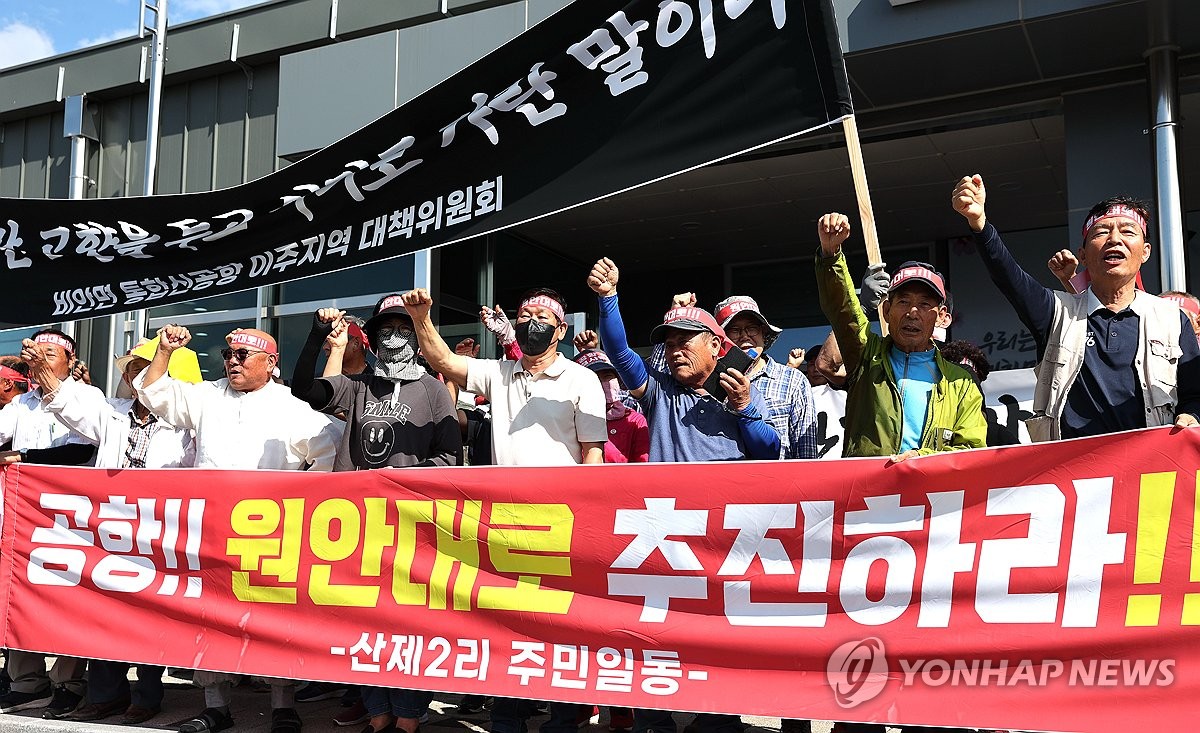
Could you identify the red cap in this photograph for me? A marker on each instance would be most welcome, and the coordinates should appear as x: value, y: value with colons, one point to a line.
x: 922, y: 273
x: 686, y: 319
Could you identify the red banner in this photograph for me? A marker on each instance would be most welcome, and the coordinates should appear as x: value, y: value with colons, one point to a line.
x: 1045, y: 587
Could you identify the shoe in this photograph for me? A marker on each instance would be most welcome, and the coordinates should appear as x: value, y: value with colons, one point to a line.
x: 315, y: 691
x: 61, y: 704
x: 285, y: 720
x: 209, y: 720
x: 620, y: 719
x: 473, y: 704
x: 14, y: 701
x: 588, y: 715
x: 98, y: 710
x: 136, y: 715
x: 389, y: 728
x: 352, y: 715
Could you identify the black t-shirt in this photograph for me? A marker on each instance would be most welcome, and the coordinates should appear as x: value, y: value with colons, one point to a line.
x: 416, y: 427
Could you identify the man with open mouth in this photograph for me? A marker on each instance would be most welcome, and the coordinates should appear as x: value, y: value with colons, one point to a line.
x: 1110, y: 358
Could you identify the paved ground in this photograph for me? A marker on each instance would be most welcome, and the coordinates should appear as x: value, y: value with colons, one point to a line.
x: 252, y: 715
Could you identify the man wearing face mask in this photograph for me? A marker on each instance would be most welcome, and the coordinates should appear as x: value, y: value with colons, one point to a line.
x: 546, y: 410
x: 628, y: 435
x: 397, y: 415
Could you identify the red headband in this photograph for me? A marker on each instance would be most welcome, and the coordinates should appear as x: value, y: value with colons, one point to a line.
x: 550, y: 304
x: 734, y: 306
x: 357, y: 334
x: 7, y: 372
x: 1114, y: 211
x: 53, y: 338
x: 1187, y: 304
x: 256, y: 342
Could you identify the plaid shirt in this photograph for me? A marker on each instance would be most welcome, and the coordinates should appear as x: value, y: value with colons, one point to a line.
x: 140, y: 434
x: 789, y: 401
x: 790, y: 408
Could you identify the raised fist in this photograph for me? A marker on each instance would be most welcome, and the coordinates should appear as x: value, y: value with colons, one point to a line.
x: 585, y: 340
x: 603, y: 277
x: 833, y: 229
x: 172, y: 337
x: 417, y: 303
x: 969, y: 198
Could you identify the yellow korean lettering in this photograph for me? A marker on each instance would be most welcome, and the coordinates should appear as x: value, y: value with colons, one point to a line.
x: 461, y: 548
x: 412, y: 513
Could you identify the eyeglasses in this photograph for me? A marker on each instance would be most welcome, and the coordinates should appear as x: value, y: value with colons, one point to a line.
x: 736, y: 332
x: 241, y: 354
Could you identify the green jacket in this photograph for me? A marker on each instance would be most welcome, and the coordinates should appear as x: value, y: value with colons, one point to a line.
x: 955, y: 418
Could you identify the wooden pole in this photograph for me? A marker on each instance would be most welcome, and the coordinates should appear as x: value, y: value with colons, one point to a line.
x: 866, y: 215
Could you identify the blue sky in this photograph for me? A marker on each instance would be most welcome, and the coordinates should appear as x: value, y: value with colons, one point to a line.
x: 35, y: 29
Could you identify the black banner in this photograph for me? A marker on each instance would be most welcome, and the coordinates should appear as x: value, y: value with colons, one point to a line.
x: 604, y: 96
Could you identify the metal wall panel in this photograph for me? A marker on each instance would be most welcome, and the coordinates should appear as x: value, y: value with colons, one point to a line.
x: 437, y: 50
x: 37, y: 151
x: 12, y: 153
x: 319, y: 102
x: 539, y: 10
x: 199, y: 136
x: 138, y: 104
x: 230, y: 136
x: 114, y: 141
x: 171, y: 125
x: 363, y: 16
x: 60, y: 159
x: 260, y: 139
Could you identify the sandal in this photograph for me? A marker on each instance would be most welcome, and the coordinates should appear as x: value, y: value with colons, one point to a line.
x: 210, y: 720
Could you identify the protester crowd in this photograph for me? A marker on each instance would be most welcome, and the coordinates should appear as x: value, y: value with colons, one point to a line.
x: 393, y: 393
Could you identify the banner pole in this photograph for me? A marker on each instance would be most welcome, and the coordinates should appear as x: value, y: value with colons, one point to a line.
x: 866, y: 214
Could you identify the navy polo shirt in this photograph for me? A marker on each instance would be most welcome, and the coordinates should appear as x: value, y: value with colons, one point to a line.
x: 1106, y: 398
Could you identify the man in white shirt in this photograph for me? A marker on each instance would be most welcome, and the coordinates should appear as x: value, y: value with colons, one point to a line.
x: 244, y: 421
x: 128, y: 435
x: 38, y: 437
x: 546, y: 411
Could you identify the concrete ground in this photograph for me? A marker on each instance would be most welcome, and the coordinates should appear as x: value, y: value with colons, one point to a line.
x: 251, y: 714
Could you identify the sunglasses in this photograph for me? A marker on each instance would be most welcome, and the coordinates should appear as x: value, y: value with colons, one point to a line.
x: 241, y: 354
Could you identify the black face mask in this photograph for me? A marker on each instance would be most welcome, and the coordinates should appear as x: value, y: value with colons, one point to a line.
x: 535, y: 338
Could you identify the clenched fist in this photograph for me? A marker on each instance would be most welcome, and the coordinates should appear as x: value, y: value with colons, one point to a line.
x: 968, y: 199
x: 603, y: 277
x: 833, y: 229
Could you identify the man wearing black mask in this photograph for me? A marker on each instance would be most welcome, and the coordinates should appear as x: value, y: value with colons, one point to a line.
x: 546, y: 409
